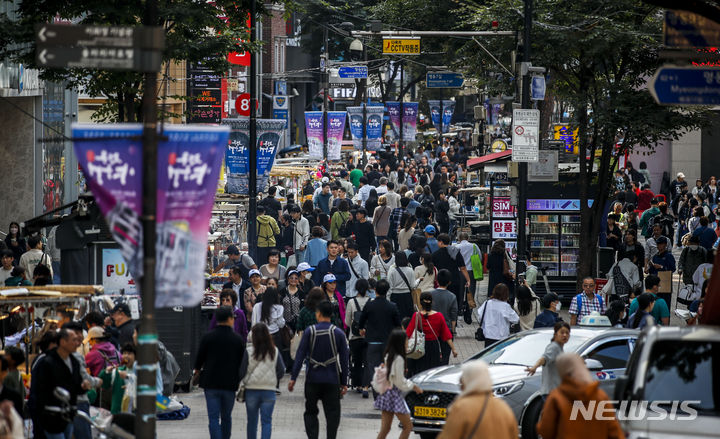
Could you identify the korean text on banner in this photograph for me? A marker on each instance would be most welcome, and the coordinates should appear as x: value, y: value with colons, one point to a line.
x: 314, y: 133
x: 409, y: 121
x: 395, y: 117
x: 435, y: 113
x: 355, y: 117
x: 188, y: 168
x: 448, y: 109
x: 375, y: 115
x: 335, y: 130
x: 237, y: 154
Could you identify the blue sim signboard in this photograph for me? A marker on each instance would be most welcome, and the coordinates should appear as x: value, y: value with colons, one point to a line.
x: 444, y: 80
x: 686, y: 85
x: 356, y: 72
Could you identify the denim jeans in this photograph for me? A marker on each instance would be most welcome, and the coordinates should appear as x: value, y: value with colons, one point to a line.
x: 262, y: 402
x: 299, y: 256
x: 81, y: 428
x: 219, y: 408
x: 67, y: 434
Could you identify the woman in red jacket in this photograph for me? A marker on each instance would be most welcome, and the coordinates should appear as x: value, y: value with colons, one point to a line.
x: 435, y: 330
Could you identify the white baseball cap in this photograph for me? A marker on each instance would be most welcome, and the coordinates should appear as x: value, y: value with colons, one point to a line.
x: 680, y: 175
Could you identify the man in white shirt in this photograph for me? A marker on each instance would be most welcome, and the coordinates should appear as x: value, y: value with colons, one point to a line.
x: 6, y: 258
x: 301, y: 236
x: 393, y: 198
x: 358, y: 269
x: 364, y: 191
x: 383, y: 188
x: 35, y: 256
x: 628, y: 269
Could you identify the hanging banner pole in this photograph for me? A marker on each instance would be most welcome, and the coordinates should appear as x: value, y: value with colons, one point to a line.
x: 252, y: 177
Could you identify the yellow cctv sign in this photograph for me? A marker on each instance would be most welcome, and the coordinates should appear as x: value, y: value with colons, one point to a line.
x: 401, y: 46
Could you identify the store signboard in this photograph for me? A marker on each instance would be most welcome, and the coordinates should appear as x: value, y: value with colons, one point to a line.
x: 116, y: 277
x: 504, y: 229
x: 502, y: 208
x: 546, y: 168
x: 555, y: 204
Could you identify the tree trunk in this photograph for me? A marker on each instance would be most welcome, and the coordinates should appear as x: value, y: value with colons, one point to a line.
x: 588, y: 242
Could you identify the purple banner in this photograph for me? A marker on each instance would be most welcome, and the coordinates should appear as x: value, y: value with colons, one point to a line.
x: 374, y: 126
x: 394, y: 114
x: 448, y: 108
x: 335, y: 131
x: 314, y: 133
x: 188, y: 170
x: 357, y: 128
x: 409, y: 121
x: 436, y: 114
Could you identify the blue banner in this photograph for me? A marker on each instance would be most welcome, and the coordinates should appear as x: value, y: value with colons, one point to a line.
x: 355, y: 116
x: 409, y: 121
x: 394, y: 114
x: 375, y: 115
x: 237, y: 154
x: 435, y: 113
x: 448, y: 108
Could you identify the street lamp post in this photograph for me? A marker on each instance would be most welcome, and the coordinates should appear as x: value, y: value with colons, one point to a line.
x: 326, y: 86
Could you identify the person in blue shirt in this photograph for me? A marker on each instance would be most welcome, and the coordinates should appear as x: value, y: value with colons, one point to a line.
x: 549, y: 316
x: 660, y: 310
x: 333, y: 264
x: 642, y: 316
x: 705, y: 233
x: 432, y: 243
x: 316, y: 249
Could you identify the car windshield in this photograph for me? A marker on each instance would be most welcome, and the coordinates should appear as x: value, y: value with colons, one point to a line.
x: 687, y: 371
x: 525, y: 348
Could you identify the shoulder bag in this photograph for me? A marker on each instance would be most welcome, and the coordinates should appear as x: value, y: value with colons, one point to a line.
x: 415, y: 292
x: 240, y: 396
x: 480, y: 334
x: 479, y: 419
x: 416, y: 343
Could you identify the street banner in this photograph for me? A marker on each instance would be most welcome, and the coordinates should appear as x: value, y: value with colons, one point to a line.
x: 335, y: 131
x: 448, y: 108
x: 409, y: 121
x: 188, y: 169
x: 395, y: 116
x: 435, y: 113
x: 314, y: 133
x: 375, y: 115
x: 237, y: 154
x: 355, y: 116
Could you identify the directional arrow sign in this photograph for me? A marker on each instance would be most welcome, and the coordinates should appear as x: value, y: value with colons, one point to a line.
x: 686, y: 85
x: 145, y: 37
x: 357, y: 72
x: 444, y: 80
x: 99, y: 58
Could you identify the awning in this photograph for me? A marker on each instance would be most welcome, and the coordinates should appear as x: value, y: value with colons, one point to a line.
x: 478, y: 162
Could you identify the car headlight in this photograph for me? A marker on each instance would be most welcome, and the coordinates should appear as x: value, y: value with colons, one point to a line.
x: 505, y: 389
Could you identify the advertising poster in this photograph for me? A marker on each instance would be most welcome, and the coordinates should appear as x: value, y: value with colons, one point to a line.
x: 188, y: 170
x: 504, y: 229
x: 355, y: 117
x: 335, y: 131
x: 116, y: 277
x: 204, y: 92
x: 395, y: 116
x: 374, y: 128
x: 409, y: 121
x: 314, y: 133
x: 502, y: 208
x: 435, y: 113
x: 237, y: 154
x: 448, y: 109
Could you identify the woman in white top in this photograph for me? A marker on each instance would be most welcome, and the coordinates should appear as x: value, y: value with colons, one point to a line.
x: 273, y: 269
x: 406, y: 232
x: 391, y: 401
x: 527, y: 306
x: 496, y: 315
x: 261, y: 368
x: 270, y: 312
x: 381, y: 263
x: 426, y: 273
x: 400, y: 288
x: 358, y: 345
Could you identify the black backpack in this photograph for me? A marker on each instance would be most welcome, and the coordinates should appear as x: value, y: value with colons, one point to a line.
x: 345, y: 228
x: 357, y: 315
x: 621, y: 284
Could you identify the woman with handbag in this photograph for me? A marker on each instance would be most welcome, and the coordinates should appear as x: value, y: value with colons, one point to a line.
x: 496, y: 316
x: 291, y: 299
x: 261, y: 368
x: 381, y: 263
x: 391, y: 401
x: 432, y: 324
x: 476, y: 413
x: 402, y: 279
x: 499, y: 268
x: 381, y: 219
x: 358, y: 344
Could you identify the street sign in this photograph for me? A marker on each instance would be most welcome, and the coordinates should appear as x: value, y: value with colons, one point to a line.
x: 356, y: 72
x: 145, y: 37
x: 401, y: 46
x: 444, y: 80
x: 686, y: 85
x: 504, y: 229
x: 684, y: 29
x: 110, y: 58
x: 525, y: 136
x: 537, y: 88
x: 242, y: 104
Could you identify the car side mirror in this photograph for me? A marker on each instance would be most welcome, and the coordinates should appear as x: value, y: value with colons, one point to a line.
x: 593, y: 364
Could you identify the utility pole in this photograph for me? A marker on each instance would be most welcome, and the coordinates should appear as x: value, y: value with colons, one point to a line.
x: 363, y: 161
x: 523, y: 166
x: 252, y: 177
x: 147, y: 340
x: 326, y: 85
x: 402, y: 111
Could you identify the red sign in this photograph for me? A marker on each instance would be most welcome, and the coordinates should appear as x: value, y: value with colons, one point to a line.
x: 239, y: 58
x: 242, y: 104
x: 504, y: 229
x: 502, y: 208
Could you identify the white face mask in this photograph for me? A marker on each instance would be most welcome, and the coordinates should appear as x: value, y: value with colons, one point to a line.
x: 308, y: 275
x: 693, y: 247
x: 558, y: 306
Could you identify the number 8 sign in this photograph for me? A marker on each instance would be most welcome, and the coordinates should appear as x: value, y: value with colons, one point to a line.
x: 242, y: 104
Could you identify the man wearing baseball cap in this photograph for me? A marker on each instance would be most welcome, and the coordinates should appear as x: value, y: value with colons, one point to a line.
x: 677, y: 186
x: 306, y: 282
x: 432, y: 243
x: 123, y: 323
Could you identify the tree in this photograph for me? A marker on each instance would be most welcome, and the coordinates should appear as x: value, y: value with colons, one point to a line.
x: 195, y: 31
x: 600, y: 54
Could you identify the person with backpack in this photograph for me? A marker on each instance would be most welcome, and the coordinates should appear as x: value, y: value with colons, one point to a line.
x: 359, y: 269
x: 102, y: 352
x: 624, y: 278
x: 642, y: 316
x: 358, y: 344
x: 339, y: 220
x: 324, y: 350
x: 391, y: 401
x: 586, y: 302
x: 267, y: 229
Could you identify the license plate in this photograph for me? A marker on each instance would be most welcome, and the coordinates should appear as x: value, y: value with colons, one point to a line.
x: 431, y: 412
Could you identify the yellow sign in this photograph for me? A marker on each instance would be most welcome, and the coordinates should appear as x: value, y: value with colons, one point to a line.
x: 498, y: 145
x: 401, y: 46
x: 562, y: 132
